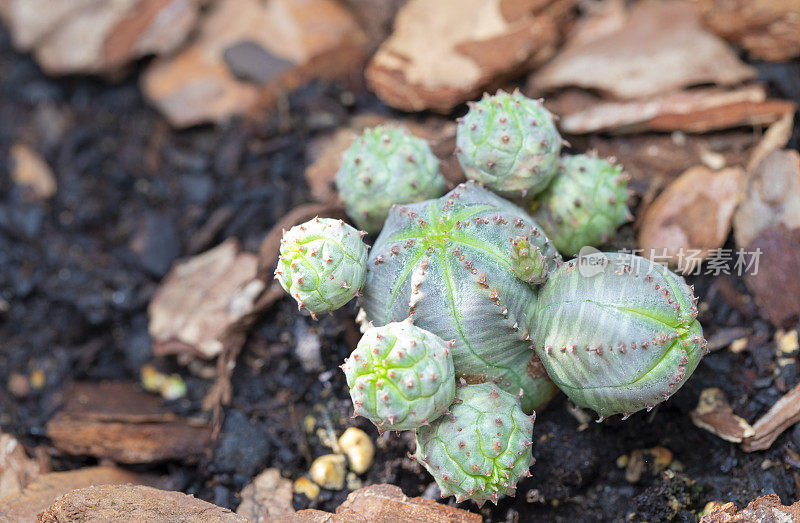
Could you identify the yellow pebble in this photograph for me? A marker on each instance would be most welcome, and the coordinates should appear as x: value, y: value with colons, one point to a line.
x: 38, y: 379
x: 152, y: 380
x: 307, y: 487
x: 359, y: 449
x: 328, y: 471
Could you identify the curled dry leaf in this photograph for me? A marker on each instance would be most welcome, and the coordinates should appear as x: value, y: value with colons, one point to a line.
x: 692, y: 214
x: 693, y: 111
x: 86, y: 36
x: 206, y: 303
x: 247, y: 52
x: 659, y: 48
x: 134, y: 503
x: 443, y: 52
x: 714, y: 414
x: 782, y: 415
x: 775, y: 138
x: 768, y: 29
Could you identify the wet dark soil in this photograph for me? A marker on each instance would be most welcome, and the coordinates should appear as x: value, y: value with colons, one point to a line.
x: 78, y: 271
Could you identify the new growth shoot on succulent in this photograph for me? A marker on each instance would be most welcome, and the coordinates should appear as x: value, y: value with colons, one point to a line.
x: 400, y: 376
x: 482, y: 448
x: 584, y: 204
x: 615, y: 332
x: 509, y: 143
x: 384, y: 166
x: 322, y: 264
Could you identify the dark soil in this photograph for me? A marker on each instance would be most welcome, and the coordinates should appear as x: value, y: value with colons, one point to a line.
x: 78, y: 289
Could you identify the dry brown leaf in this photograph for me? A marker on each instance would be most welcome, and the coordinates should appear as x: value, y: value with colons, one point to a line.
x: 248, y: 51
x: 772, y: 197
x: 768, y: 29
x: 782, y: 415
x: 714, y: 414
x: 118, y: 422
x: 443, y: 52
x: 206, y: 303
x: 692, y: 214
x: 693, y: 111
x: 660, y: 48
x: 133, y: 503
x: 775, y: 138
x: 86, y: 36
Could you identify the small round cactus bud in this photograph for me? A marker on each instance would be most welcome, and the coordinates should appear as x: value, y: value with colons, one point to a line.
x: 482, y: 448
x: 585, y: 203
x: 400, y: 376
x: 527, y: 261
x: 446, y: 263
x: 509, y: 143
x: 617, y: 333
x: 385, y: 166
x: 322, y: 264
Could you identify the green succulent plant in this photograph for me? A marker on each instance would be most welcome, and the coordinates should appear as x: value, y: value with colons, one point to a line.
x: 509, y: 143
x: 385, y: 166
x: 322, y: 264
x: 482, y: 448
x: 584, y: 204
x: 617, y: 333
x: 447, y: 264
x: 400, y: 376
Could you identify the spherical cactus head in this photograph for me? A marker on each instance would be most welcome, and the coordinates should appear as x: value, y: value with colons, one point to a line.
x: 527, y: 261
x: 322, y: 264
x: 509, y: 143
x: 385, y: 166
x: 400, y: 376
x: 482, y: 448
x: 446, y: 263
x: 584, y: 204
x: 617, y: 333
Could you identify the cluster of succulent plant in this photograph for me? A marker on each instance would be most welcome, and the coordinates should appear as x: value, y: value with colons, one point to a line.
x: 384, y: 166
x: 471, y: 319
x: 322, y: 264
x: 584, y: 204
x: 400, y: 376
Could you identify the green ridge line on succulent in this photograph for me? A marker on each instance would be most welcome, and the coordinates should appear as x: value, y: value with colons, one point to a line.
x: 640, y: 378
x: 614, y: 307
